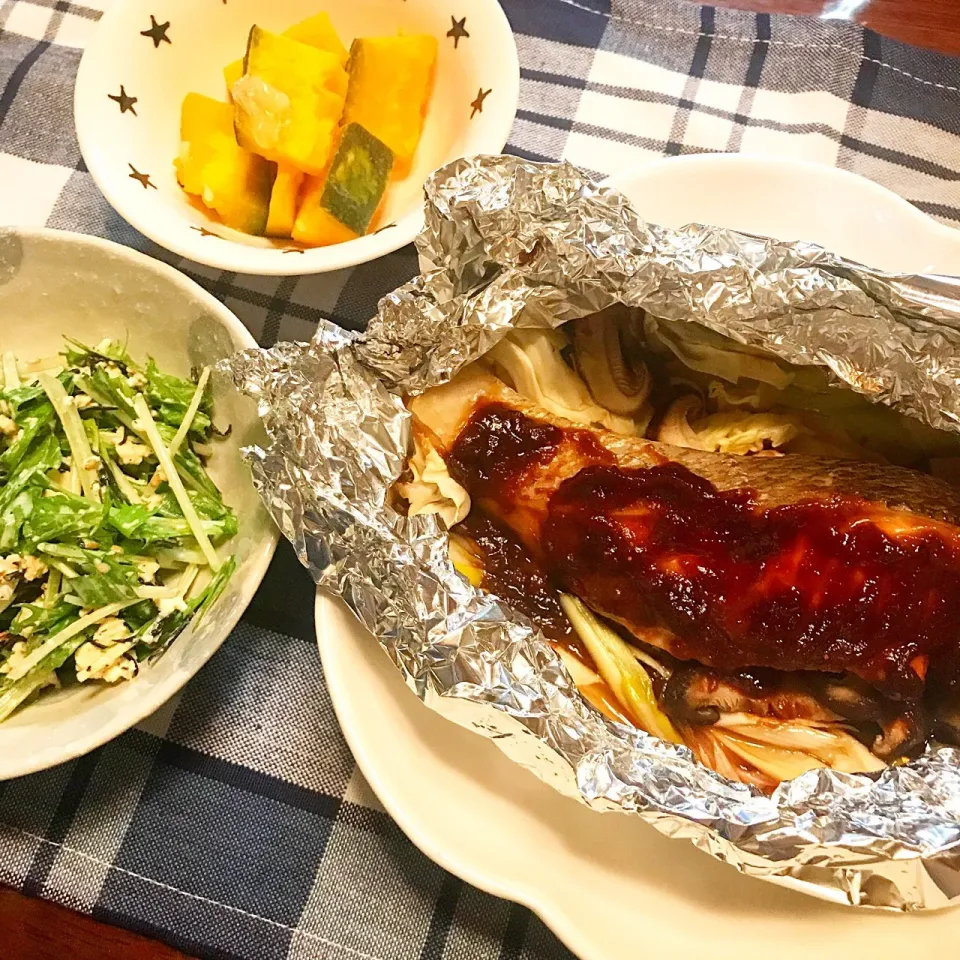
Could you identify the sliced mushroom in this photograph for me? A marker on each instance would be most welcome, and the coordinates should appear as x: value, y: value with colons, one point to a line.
x: 902, y: 734
x: 903, y: 727
x: 850, y: 697
x: 699, y: 695
x: 618, y: 380
x: 946, y: 722
x: 687, y: 695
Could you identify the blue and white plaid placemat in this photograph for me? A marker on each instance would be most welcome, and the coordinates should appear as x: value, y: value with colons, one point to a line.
x: 233, y: 824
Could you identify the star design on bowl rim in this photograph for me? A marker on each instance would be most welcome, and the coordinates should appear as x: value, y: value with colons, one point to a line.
x: 124, y: 99
x: 477, y: 105
x: 458, y: 30
x: 157, y: 32
x: 142, y: 178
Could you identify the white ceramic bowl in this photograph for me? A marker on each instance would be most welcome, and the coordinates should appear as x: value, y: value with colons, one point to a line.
x: 203, y: 38
x: 54, y: 283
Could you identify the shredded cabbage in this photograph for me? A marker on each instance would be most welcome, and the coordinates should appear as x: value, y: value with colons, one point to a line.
x: 700, y: 349
x: 531, y: 362
x: 732, y: 431
x: 593, y: 687
x: 432, y: 489
x: 747, y: 421
x: 778, y: 747
x: 606, y: 357
x: 765, y: 752
x: 836, y: 421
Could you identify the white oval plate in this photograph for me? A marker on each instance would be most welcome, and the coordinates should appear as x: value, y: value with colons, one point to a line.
x: 793, y: 200
x: 52, y: 284
x: 189, y: 55
x: 610, y: 886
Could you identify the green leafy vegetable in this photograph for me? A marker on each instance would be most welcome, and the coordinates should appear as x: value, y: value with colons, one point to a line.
x: 19, y: 397
x: 11, y: 521
x: 61, y: 515
x: 164, y: 630
x: 35, y: 619
x: 43, y: 674
x: 162, y: 529
x: 146, y: 423
x: 128, y: 518
x: 65, y: 408
x: 31, y: 424
x: 107, y: 515
x: 171, y: 398
x: 41, y: 459
x: 78, y: 354
x: 101, y: 589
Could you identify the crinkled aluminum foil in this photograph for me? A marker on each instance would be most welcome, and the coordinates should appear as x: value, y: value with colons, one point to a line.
x: 510, y: 243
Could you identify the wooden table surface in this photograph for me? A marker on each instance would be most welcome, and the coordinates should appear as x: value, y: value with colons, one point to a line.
x: 925, y: 23
x: 37, y: 930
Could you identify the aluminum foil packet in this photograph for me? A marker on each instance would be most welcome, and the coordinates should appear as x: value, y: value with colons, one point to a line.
x: 508, y: 244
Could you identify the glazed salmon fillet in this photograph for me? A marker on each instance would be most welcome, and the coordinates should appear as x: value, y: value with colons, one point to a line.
x: 792, y: 563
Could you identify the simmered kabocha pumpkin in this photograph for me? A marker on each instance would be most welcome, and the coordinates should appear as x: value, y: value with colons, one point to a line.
x: 283, y: 201
x: 316, y: 31
x: 234, y: 183
x: 390, y: 83
x: 286, y: 104
x: 313, y: 147
x: 232, y: 72
x: 341, y: 205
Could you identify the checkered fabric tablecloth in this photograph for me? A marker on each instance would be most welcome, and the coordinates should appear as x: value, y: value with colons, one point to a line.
x: 233, y: 824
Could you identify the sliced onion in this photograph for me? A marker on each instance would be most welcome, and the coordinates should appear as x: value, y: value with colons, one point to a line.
x: 618, y: 666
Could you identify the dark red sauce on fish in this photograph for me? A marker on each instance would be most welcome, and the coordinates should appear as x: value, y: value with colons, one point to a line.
x: 514, y: 576
x: 495, y: 452
x: 499, y: 447
x: 816, y: 585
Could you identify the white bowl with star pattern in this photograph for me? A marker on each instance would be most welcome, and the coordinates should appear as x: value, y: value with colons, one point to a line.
x: 143, y: 60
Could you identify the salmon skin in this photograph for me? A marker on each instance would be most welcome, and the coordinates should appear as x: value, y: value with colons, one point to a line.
x: 790, y: 563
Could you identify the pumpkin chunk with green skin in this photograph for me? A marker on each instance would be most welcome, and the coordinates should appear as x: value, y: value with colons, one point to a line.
x: 316, y: 31
x: 211, y: 165
x: 390, y: 83
x: 286, y: 104
x: 341, y: 205
x: 283, y: 201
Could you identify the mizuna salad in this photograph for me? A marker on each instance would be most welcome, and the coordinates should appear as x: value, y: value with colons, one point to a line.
x: 111, y: 530
x: 724, y: 550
